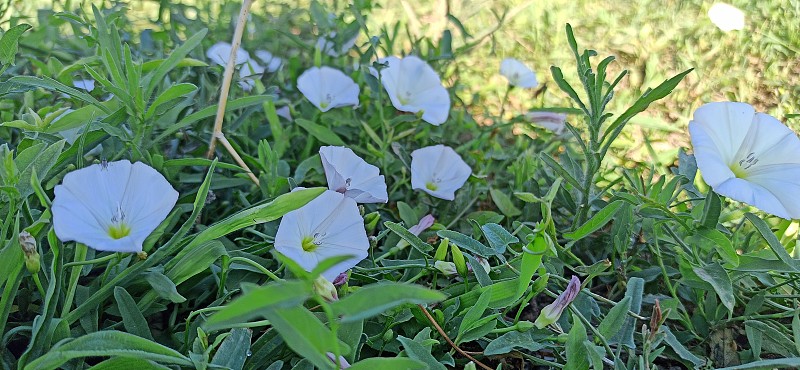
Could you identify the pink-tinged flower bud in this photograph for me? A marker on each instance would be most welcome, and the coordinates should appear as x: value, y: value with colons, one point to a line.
x: 343, y: 364
x: 553, y: 311
x: 424, y: 224
x: 325, y: 289
x: 548, y: 120
x: 341, y: 279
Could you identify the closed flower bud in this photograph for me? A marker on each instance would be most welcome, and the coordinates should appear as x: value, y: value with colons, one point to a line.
x: 325, y: 289
x: 371, y: 221
x: 458, y: 259
x: 441, y: 251
x: 552, y: 312
x: 28, y: 244
x: 524, y: 326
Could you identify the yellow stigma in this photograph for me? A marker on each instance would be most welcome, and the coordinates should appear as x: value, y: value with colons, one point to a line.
x: 308, y: 244
x: 738, y: 171
x: 431, y: 186
x: 119, y: 231
x: 323, y: 104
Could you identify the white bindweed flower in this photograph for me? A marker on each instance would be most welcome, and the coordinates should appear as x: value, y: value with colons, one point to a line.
x: 518, y: 74
x: 220, y: 52
x: 328, y: 88
x: 748, y: 156
x: 413, y: 86
x: 327, y: 45
x: 439, y: 171
x: 112, y: 206
x: 87, y: 85
x: 726, y: 17
x: 551, y: 121
x: 271, y: 62
x: 248, y: 74
x: 328, y: 226
x: 350, y: 175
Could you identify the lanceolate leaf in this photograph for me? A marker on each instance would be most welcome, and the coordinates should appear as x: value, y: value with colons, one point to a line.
x: 108, y: 343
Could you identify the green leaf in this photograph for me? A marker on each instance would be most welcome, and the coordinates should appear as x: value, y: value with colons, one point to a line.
x: 511, y: 341
x: 577, y: 354
x: 715, y: 274
x: 560, y: 170
x: 498, y: 237
x: 772, y: 240
x: 774, y: 341
x: 721, y: 244
x: 257, y: 214
x: 107, y: 343
x: 192, y: 261
x: 210, y: 111
x: 44, y: 161
x: 417, y: 351
x: 322, y: 133
x: 504, y: 203
x: 615, y: 318
x: 175, y: 57
x: 634, y: 291
x: 475, y: 312
x: 712, y: 207
x: 132, y: 318
x: 412, y: 239
x: 388, y: 363
x: 177, y: 91
x: 467, y: 243
x: 374, y: 299
x: 600, y: 219
x: 679, y: 348
x: 48, y: 83
x: 649, y: 96
x: 163, y: 286
x: 185, y: 62
x: 257, y: 301
x: 121, y: 363
x: 778, y: 363
x: 234, y: 349
x: 305, y: 334
x: 480, y: 274
x: 9, y: 41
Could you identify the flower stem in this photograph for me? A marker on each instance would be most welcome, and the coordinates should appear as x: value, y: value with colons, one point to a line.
x: 252, y: 263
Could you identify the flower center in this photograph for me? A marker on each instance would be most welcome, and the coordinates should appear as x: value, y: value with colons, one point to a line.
x: 343, y: 189
x: 118, y: 228
x: 404, y: 97
x: 433, y: 185
x: 326, y: 101
x: 740, y: 167
x: 119, y: 231
x: 310, y: 243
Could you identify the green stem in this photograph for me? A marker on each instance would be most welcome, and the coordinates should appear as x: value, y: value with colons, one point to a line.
x: 72, y: 285
x: 38, y: 284
x: 257, y: 266
x: 92, y: 261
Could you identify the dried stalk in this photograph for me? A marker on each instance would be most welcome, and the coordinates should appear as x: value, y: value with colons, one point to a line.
x: 444, y: 335
x: 224, y: 92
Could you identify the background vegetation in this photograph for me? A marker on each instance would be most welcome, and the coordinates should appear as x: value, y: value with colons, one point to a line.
x: 724, y: 278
